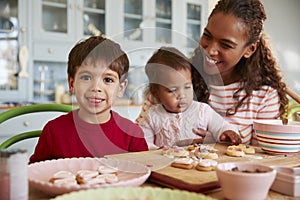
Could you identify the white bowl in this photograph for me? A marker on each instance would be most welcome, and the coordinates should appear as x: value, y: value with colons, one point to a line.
x: 129, y: 173
x: 276, y: 138
x: 238, y: 185
x: 287, y: 181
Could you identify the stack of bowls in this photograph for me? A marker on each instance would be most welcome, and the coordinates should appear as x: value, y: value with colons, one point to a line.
x: 276, y: 138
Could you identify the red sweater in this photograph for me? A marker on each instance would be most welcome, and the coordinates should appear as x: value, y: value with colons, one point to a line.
x: 68, y: 136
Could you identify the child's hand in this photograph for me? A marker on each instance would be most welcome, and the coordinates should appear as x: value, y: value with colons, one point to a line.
x: 200, y: 132
x: 231, y: 136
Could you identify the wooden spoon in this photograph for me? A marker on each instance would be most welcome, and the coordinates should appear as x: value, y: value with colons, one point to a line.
x: 293, y: 95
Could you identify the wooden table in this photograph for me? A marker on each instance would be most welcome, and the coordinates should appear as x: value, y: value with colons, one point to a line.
x: 160, y: 165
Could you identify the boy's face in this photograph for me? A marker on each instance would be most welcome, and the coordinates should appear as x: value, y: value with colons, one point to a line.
x: 96, y: 87
x: 176, y: 91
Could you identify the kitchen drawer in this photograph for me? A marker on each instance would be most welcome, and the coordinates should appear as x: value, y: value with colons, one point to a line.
x: 57, y: 52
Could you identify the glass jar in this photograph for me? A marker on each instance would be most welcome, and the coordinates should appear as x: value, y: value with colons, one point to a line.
x: 13, y: 175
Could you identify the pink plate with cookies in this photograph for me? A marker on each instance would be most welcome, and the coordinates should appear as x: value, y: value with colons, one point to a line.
x: 61, y: 176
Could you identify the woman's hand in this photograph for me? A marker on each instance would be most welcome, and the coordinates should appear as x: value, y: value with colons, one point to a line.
x: 231, y: 136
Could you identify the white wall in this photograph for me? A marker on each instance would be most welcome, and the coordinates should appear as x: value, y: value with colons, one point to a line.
x: 282, y: 25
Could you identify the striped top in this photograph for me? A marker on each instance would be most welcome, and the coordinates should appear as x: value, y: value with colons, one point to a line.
x: 263, y: 104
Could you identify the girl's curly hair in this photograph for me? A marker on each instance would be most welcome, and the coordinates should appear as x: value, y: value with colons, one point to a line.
x: 261, y: 68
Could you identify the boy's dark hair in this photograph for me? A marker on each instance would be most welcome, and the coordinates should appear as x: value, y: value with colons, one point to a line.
x: 97, y: 48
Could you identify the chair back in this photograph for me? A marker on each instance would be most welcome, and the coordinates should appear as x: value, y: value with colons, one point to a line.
x: 50, y: 110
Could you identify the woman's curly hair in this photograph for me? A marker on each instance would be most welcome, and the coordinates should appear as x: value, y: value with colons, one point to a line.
x: 259, y: 69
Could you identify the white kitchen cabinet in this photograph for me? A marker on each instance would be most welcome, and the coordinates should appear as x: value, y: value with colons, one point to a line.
x: 132, y: 23
x: 149, y: 24
x: 14, y: 32
x: 53, y: 27
x: 68, y: 20
x: 147, y: 21
x: 59, y: 24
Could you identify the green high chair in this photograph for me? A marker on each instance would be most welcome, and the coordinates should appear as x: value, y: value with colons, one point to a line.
x: 22, y: 110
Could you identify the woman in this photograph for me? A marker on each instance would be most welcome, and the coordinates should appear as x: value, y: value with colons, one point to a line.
x: 235, y: 48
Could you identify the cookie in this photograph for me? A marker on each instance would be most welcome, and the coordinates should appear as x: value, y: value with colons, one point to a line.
x: 63, y: 178
x: 111, y: 178
x: 175, y: 151
x: 207, y: 155
x: 183, y: 163
x: 247, y: 149
x: 87, y: 174
x: 102, y: 175
x: 235, y: 151
x: 206, y: 152
x: 100, y: 179
x: 63, y: 174
x: 201, y: 168
x: 192, y: 147
x: 63, y: 181
x: 107, y: 170
x: 84, y: 176
x: 206, y: 165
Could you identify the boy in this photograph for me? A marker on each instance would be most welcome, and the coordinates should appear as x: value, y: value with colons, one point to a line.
x: 97, y: 75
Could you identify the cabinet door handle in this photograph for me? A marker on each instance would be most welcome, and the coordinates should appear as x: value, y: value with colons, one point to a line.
x: 80, y: 7
x: 71, y: 6
x: 50, y: 50
x: 26, y: 123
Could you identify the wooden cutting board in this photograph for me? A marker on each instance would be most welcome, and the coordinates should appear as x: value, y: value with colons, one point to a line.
x: 194, y: 180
